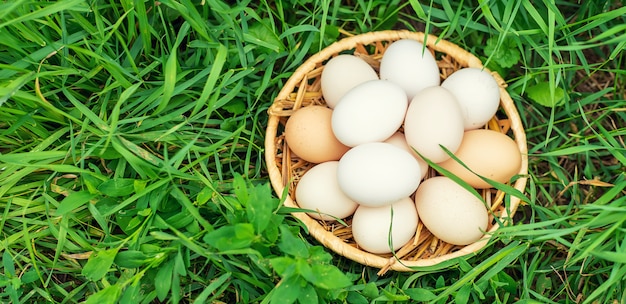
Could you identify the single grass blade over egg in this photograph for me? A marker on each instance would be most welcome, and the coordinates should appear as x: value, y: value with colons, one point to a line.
x: 488, y: 153
x: 373, y: 226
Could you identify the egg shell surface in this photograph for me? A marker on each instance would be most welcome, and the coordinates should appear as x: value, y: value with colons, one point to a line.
x: 477, y: 93
x: 371, y: 226
x: 376, y: 174
x: 309, y: 135
x: 370, y: 112
x: 319, y: 190
x: 434, y: 118
x: 398, y: 140
x: 342, y: 73
x: 450, y: 212
x: 409, y: 64
x: 488, y: 153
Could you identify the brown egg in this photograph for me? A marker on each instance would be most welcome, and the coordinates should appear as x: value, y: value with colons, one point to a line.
x: 488, y: 153
x: 309, y: 135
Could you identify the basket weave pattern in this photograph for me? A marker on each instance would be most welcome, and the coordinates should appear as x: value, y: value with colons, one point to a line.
x: 302, y: 89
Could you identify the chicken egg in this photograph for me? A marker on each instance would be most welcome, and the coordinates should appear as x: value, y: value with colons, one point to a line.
x: 433, y: 119
x: 370, y: 112
x: 450, y: 212
x: 477, y: 93
x: 309, y: 135
x: 409, y: 64
x: 319, y: 190
x: 376, y: 174
x: 373, y: 226
x: 399, y: 141
x: 341, y: 74
x: 488, y: 153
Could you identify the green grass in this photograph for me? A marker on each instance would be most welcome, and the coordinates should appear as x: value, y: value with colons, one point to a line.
x: 131, y: 152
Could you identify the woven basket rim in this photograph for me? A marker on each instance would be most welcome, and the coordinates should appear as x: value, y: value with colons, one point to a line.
x: 331, y: 241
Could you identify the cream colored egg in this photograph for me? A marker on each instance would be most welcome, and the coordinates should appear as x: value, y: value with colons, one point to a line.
x: 399, y: 141
x: 434, y: 119
x: 377, y: 174
x: 371, y: 226
x: 477, y: 93
x: 409, y: 64
x: 370, y: 112
x: 341, y: 74
x: 488, y: 153
x: 450, y: 212
x: 319, y: 190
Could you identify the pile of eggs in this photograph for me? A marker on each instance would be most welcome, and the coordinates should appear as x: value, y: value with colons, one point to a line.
x: 363, y: 145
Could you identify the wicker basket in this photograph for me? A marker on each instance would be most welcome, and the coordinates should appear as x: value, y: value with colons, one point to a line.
x: 303, y: 89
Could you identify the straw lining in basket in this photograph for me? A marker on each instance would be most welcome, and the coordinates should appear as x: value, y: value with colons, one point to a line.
x: 303, y: 89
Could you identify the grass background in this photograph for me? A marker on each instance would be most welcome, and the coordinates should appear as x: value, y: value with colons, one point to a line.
x: 131, y: 152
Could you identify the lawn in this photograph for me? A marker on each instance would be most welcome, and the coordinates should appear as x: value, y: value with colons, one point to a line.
x: 132, y: 159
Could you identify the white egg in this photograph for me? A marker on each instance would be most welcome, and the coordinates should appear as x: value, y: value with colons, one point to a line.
x: 376, y: 174
x: 370, y: 112
x: 399, y: 141
x: 477, y: 93
x: 410, y: 65
x: 371, y: 226
x: 319, y: 190
x: 451, y: 213
x: 342, y: 73
x: 434, y: 119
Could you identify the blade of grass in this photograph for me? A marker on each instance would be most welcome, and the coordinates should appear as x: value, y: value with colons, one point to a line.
x: 170, y: 70
x: 497, y: 261
x: 59, y: 6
